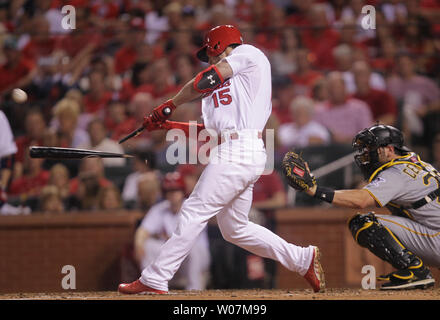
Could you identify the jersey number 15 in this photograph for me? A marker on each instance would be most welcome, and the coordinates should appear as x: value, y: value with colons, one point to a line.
x: 222, y: 97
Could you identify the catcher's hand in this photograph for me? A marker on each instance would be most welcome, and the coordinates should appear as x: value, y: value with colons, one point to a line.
x: 297, y: 172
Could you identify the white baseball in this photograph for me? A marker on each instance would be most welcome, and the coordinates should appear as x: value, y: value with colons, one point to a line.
x: 19, y: 95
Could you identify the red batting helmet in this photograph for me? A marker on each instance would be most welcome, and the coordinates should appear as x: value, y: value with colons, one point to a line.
x: 217, y: 40
x: 173, y: 181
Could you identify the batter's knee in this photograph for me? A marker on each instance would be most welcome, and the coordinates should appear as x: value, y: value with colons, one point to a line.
x: 229, y: 232
x: 232, y: 236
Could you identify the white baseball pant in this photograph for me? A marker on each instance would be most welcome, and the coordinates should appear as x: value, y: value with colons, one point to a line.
x: 225, y: 190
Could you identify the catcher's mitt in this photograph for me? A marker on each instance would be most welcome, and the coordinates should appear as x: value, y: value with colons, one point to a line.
x: 297, y: 172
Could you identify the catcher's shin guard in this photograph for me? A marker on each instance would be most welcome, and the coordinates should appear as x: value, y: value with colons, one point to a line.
x: 369, y: 233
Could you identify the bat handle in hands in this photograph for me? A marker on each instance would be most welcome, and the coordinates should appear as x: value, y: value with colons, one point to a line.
x: 167, y: 111
x: 163, y: 112
x: 155, y: 120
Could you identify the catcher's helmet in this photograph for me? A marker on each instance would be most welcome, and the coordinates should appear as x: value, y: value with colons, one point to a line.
x: 217, y: 40
x: 173, y: 181
x: 367, y: 141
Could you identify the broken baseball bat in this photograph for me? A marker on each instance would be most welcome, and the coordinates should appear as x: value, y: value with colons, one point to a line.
x: 71, y: 153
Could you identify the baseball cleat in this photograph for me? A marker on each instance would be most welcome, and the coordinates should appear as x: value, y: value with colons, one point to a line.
x: 137, y: 287
x: 409, y: 279
x: 315, y: 273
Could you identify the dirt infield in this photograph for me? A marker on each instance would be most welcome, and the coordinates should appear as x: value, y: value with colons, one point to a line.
x: 329, y: 294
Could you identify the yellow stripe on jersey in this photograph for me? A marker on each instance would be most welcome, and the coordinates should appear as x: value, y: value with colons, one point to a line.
x: 390, y: 164
x: 413, y: 231
x: 374, y: 197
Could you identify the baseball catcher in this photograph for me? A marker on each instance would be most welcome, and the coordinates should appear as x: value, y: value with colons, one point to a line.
x: 409, y: 238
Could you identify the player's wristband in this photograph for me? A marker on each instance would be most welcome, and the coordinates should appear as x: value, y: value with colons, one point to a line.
x: 324, y: 194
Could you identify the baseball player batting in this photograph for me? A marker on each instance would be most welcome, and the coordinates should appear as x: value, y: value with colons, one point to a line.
x: 236, y: 103
x: 409, y: 238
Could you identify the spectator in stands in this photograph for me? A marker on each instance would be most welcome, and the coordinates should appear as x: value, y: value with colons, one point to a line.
x: 353, y: 10
x: 408, y: 80
x: 282, y: 95
x: 104, y: 64
x: 190, y: 174
x: 185, y: 69
x: 343, y: 116
x: 385, y: 62
x: 284, y: 60
x: 418, y: 94
x: 84, y: 118
x: 304, y: 131
x: 180, y: 43
x: 140, y: 81
x: 394, y: 12
x: 47, y: 85
x: 163, y: 80
x: 118, y: 122
x: 100, y: 142
x: 35, y: 127
x: 17, y: 70
x: 159, y: 145
x: 158, y: 225
x: 418, y: 40
x: 141, y: 103
x: 344, y: 60
x: 50, y: 200
x: 298, y: 13
x: 343, y: 55
x: 41, y: 43
x: 319, y: 90
x: 270, y: 40
x: 87, y: 185
x: 98, y: 96
x: 149, y: 192
x: 320, y: 39
x: 110, y: 198
x: 86, y: 34
x: 220, y: 14
x: 304, y: 77
x: 60, y: 179
x: 31, y: 182
x: 156, y: 22
x: 106, y: 10
x: 381, y: 103
x: 126, y: 56
x: 348, y: 30
x: 66, y: 113
x: 143, y: 162
x: 269, y: 194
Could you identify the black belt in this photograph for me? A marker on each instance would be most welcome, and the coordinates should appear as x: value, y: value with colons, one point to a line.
x: 430, y: 197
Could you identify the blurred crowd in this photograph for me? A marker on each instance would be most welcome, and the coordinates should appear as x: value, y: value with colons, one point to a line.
x: 91, y: 85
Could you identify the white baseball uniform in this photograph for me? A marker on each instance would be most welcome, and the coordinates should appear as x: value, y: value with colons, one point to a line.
x: 239, y: 108
x: 7, y: 143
